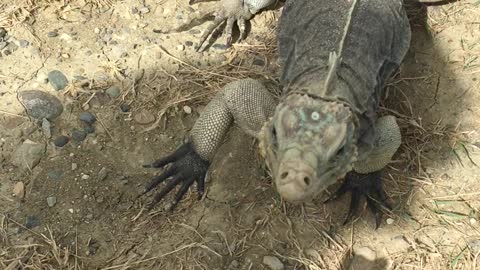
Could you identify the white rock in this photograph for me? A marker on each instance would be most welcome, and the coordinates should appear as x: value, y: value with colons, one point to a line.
x: 273, y: 263
x: 187, y: 109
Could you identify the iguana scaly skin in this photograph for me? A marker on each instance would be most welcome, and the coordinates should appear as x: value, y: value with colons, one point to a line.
x: 337, y: 56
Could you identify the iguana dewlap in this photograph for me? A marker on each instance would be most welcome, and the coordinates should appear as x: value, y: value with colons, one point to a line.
x: 337, y: 56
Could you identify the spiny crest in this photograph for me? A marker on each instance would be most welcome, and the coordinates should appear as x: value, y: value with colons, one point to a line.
x: 334, y: 60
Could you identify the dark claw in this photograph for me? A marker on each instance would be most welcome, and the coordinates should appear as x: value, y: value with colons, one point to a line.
x: 368, y: 185
x: 188, y: 167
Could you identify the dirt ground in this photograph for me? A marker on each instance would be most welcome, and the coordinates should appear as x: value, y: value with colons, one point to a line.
x: 95, y: 220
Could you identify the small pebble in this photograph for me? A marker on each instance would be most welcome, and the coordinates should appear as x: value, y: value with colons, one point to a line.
x: 19, y: 190
x: 57, y: 79
x: 273, y: 263
x: 74, y: 166
x: 180, y: 47
x: 125, y: 107
x: 187, y: 109
x: 70, y: 210
x: 7, y: 52
x: 89, y: 129
x: 79, y: 135
x: 85, y: 176
x: 189, y: 44
x: 96, y: 30
x: 102, y: 174
x: 87, y: 117
x: 12, y: 47
x: 54, y: 175
x: 144, y: 117
x: 52, y: 34
x: 258, y: 62
x: 24, y: 43
x: 473, y: 221
x: 113, y: 91
x: 3, y: 32
x: 47, y: 129
x: 51, y: 201
x: 144, y: 10
x: 390, y: 221
x: 219, y: 46
x: 32, y: 222
x: 100, y: 199
x: 61, y: 141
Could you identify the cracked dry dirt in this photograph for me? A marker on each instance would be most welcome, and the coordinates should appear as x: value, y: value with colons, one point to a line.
x: 98, y: 224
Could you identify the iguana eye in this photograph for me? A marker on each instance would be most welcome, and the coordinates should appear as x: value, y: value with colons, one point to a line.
x: 315, y: 116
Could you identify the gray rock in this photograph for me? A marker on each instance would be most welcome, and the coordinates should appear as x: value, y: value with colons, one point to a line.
x: 52, y: 34
x: 273, y: 263
x: 113, y: 91
x: 144, y: 117
x: 6, y: 52
x: 12, y: 47
x: 189, y: 43
x: 61, y: 141
x: 28, y: 155
x: 3, y: 32
x: 87, y: 117
x: 78, y: 135
x: 3, y: 44
x: 125, y: 107
x: 57, y: 79
x: 102, y: 174
x: 32, y: 222
x: 51, y: 201
x: 89, y: 129
x: 41, y: 105
x: 47, y: 128
x: 24, y: 43
x: 55, y: 175
x: 219, y: 46
x: 474, y: 244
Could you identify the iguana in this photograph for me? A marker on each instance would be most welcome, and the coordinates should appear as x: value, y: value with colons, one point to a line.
x: 337, y: 56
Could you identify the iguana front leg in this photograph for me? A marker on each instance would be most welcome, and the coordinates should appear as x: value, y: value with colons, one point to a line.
x: 365, y: 179
x: 232, y: 11
x: 246, y: 103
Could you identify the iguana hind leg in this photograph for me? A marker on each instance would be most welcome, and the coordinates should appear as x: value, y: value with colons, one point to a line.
x: 363, y: 185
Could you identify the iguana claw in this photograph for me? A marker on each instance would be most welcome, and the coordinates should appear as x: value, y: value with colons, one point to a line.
x: 187, y: 166
x: 368, y: 185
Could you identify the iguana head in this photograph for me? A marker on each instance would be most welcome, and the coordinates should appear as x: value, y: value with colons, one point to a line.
x: 308, y: 144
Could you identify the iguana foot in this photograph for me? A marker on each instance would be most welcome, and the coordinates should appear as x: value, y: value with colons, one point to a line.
x: 231, y: 11
x: 368, y: 185
x: 187, y: 166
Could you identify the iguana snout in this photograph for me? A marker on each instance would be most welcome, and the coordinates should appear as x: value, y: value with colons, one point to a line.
x: 308, y: 144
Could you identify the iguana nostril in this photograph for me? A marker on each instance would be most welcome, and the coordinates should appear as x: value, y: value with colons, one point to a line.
x: 284, y: 175
x: 306, y: 180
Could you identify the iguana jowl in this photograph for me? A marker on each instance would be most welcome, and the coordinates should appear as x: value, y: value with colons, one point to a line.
x: 337, y: 56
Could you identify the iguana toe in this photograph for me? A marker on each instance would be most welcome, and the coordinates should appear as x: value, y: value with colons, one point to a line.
x: 367, y: 185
